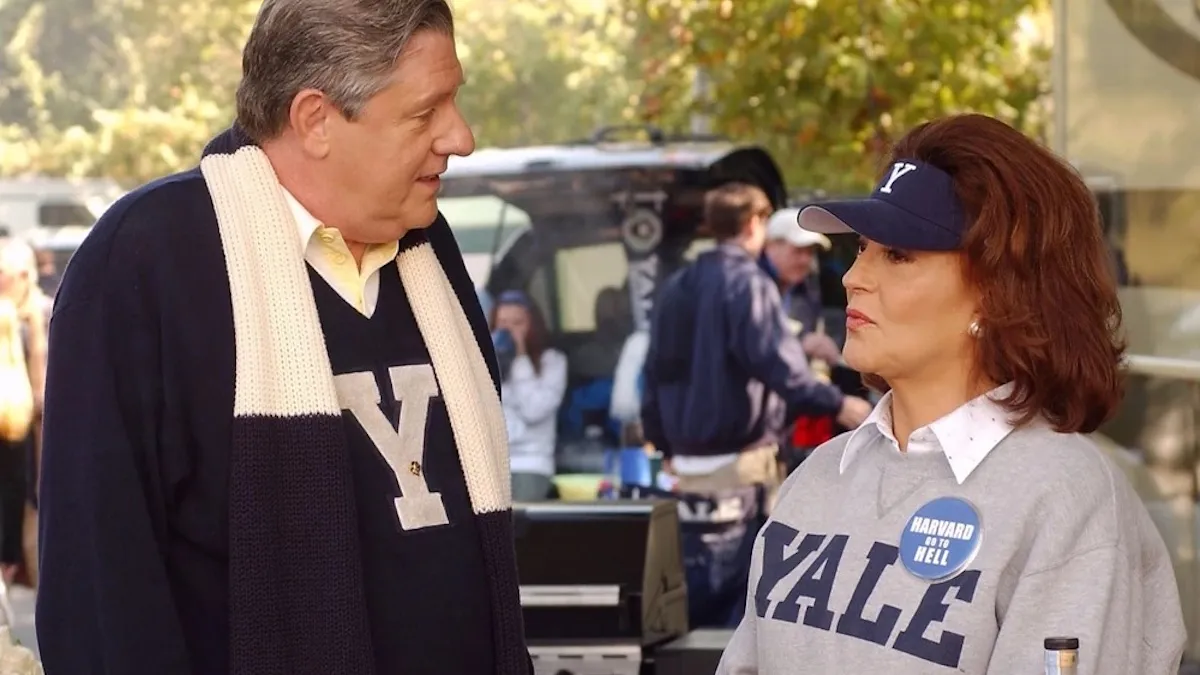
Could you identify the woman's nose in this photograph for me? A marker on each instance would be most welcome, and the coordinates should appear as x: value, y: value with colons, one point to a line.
x: 853, y: 279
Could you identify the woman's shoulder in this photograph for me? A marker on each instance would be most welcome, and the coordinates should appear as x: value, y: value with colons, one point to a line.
x: 553, y: 357
x: 830, y: 452
x: 1069, y: 463
x: 1069, y: 485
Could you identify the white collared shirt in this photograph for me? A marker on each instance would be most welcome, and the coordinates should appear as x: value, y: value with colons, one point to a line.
x: 327, y: 252
x: 965, y: 436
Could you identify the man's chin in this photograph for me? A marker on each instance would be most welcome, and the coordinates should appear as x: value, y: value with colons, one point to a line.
x: 420, y: 216
x: 394, y: 229
x: 422, y: 223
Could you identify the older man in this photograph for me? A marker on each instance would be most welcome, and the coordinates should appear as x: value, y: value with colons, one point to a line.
x: 274, y: 444
x: 790, y: 258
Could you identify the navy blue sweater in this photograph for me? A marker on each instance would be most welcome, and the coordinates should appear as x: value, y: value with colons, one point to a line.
x: 426, y: 589
x: 135, y: 476
x: 723, y: 372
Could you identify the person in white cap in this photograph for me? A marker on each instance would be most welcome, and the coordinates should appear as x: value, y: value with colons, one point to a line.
x: 790, y: 258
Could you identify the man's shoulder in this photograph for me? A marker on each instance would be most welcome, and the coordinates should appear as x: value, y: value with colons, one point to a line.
x: 150, y: 211
x: 738, y: 272
x: 154, y: 207
x: 156, y: 223
x: 746, y: 286
x: 717, y: 266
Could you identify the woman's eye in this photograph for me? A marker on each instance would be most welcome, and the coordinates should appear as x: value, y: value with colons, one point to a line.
x: 894, y: 255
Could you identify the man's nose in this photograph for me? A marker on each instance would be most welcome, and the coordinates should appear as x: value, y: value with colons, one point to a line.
x: 458, y: 139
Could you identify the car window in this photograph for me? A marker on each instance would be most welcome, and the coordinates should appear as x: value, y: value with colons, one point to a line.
x: 63, y: 214
x: 583, y: 272
x: 480, y: 225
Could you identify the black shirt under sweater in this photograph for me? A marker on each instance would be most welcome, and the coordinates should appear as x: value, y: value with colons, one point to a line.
x: 426, y: 588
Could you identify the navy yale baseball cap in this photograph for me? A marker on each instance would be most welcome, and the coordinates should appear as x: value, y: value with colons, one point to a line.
x: 914, y: 207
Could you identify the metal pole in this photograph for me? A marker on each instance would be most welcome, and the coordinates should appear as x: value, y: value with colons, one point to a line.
x: 872, y: 113
x: 701, y: 124
x: 1058, y: 80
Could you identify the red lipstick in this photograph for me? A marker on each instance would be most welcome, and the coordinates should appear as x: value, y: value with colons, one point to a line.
x: 856, y: 320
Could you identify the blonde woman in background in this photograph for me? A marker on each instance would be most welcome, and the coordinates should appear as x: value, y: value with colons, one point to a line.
x: 24, y: 312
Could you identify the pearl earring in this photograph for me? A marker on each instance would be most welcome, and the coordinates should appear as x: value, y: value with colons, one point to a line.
x: 974, y: 329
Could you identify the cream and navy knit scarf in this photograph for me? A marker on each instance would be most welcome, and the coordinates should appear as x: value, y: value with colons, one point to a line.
x: 296, y: 591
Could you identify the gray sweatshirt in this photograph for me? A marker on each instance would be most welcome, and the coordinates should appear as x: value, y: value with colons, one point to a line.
x: 852, y: 575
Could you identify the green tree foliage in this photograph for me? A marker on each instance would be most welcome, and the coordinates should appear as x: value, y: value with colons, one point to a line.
x: 826, y: 86
x: 126, y: 90
x: 131, y: 89
x: 542, y: 71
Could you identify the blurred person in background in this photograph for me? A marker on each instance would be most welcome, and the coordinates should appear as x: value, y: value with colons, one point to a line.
x: 598, y: 356
x: 723, y: 372
x: 16, y: 429
x: 48, y: 275
x: 534, y: 379
x: 723, y: 376
x: 790, y: 257
x: 970, y: 517
x: 24, y: 376
x: 19, y: 278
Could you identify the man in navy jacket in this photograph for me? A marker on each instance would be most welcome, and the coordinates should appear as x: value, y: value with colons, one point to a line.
x: 723, y: 376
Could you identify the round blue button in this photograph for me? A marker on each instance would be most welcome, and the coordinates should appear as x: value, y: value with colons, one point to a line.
x: 940, y: 539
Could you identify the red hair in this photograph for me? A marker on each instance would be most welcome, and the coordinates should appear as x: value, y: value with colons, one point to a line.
x: 1035, y: 250
x: 536, y: 342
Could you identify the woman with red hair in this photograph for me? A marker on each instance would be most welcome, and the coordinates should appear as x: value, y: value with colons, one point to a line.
x: 533, y: 382
x: 969, y: 518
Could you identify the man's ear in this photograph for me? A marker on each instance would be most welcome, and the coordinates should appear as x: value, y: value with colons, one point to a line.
x: 310, y: 117
x: 753, y: 225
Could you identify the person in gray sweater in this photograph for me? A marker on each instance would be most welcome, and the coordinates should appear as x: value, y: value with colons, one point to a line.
x: 969, y: 517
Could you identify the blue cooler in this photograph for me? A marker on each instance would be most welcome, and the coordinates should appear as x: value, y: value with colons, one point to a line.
x: 630, y: 466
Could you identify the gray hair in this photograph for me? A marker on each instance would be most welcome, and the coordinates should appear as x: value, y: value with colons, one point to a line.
x: 347, y: 49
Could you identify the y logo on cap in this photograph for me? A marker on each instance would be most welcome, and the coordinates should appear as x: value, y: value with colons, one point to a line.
x: 898, y: 169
